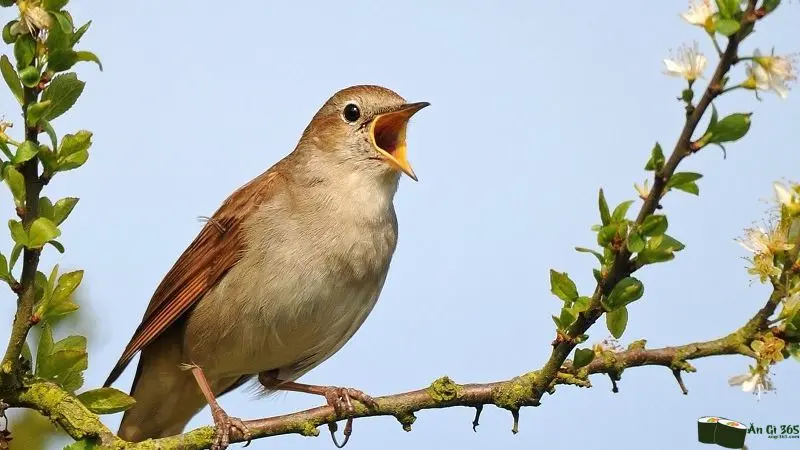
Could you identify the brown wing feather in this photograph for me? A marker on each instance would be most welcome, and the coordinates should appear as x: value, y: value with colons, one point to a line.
x: 214, y: 251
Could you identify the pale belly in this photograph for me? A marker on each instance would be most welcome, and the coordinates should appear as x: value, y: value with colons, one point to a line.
x: 286, y: 311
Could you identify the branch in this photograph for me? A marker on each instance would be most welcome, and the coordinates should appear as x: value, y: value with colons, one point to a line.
x: 622, y: 266
x: 80, y: 423
x: 27, y: 290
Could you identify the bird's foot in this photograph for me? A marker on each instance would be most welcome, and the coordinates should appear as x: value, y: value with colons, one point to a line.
x: 223, y: 424
x: 341, y: 399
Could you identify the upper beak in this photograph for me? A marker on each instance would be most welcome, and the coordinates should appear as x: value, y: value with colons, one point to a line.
x: 388, y: 132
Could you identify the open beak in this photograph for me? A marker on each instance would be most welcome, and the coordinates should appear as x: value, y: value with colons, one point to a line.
x: 388, y: 132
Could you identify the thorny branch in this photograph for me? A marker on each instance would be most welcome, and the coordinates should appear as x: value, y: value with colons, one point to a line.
x: 511, y: 394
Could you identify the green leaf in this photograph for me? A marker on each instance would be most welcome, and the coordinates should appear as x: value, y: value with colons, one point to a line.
x: 583, y: 356
x: 54, y: 5
x: 62, y: 59
x: 6, y: 151
x: 731, y: 128
x: 58, y: 246
x: 59, y: 37
x: 63, y: 208
x: 620, y: 211
x: 25, y: 152
x: 635, y: 242
x: 24, y: 51
x: 49, y: 160
x: 66, y: 367
x: 41, y: 231
x: 656, y: 161
x: 63, y: 91
x: 73, y: 161
x: 666, y: 242
x: 598, y: 275
x: 106, y: 400
x: 26, y: 353
x: 607, y: 234
x: 50, y: 132
x: 44, y: 349
x: 45, y: 208
x: 690, y: 187
x: 80, y: 32
x: 18, y: 233
x: 588, y: 250
x: 84, y: 55
x: 728, y: 8
x: 566, y: 319
x: 727, y: 27
x: 15, y: 182
x: 36, y: 111
x: 770, y: 5
x: 67, y: 284
x: 70, y: 343
x: 15, y: 252
x: 617, y: 321
x: 605, y: 215
x: 8, y: 36
x: 60, y: 309
x: 11, y: 77
x: 681, y: 178
x: 5, y: 275
x: 29, y: 76
x: 74, y: 143
x: 562, y: 286
x: 654, y: 225
x: 66, y: 363
x: 581, y: 304
x: 628, y: 290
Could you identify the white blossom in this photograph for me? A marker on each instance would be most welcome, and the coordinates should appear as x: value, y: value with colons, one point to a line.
x: 687, y: 62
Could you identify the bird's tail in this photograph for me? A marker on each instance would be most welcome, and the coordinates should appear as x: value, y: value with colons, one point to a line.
x: 166, y: 396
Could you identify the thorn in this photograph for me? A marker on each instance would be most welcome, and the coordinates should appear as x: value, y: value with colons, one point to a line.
x: 406, y: 420
x: 677, y: 374
x: 515, y: 415
x: 478, y: 411
x: 614, y: 387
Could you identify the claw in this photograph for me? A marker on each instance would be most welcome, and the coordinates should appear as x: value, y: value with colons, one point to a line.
x: 223, y: 425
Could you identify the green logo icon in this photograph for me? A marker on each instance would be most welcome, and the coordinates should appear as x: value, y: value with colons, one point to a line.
x: 721, y: 431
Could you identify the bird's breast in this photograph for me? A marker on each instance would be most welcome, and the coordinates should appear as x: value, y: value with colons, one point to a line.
x: 303, y: 287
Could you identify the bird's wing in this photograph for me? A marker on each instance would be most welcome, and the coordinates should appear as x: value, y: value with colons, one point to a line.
x: 211, y: 255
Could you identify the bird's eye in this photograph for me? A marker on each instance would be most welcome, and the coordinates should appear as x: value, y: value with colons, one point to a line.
x: 351, y: 112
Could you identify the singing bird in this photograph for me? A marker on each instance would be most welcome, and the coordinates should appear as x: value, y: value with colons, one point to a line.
x: 281, y: 276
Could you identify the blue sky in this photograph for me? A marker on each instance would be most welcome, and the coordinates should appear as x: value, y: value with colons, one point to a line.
x: 535, y: 105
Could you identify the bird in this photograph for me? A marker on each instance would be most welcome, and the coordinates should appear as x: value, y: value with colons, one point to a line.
x: 280, y: 277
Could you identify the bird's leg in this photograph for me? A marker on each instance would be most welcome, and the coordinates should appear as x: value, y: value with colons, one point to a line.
x: 338, y: 397
x: 222, y: 422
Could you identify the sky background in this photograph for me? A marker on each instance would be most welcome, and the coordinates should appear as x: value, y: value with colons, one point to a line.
x: 535, y: 105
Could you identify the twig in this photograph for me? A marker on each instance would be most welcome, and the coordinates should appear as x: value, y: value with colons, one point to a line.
x: 622, y: 266
x: 677, y: 374
x: 26, y: 297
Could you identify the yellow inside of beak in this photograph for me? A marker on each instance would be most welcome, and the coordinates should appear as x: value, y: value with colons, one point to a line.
x: 388, y: 133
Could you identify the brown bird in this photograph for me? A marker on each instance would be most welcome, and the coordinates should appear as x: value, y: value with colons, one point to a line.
x: 281, y: 276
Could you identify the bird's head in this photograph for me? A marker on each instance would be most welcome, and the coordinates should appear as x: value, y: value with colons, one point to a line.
x: 364, y: 126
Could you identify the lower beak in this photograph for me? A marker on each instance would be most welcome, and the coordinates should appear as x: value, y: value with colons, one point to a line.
x: 388, y: 132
